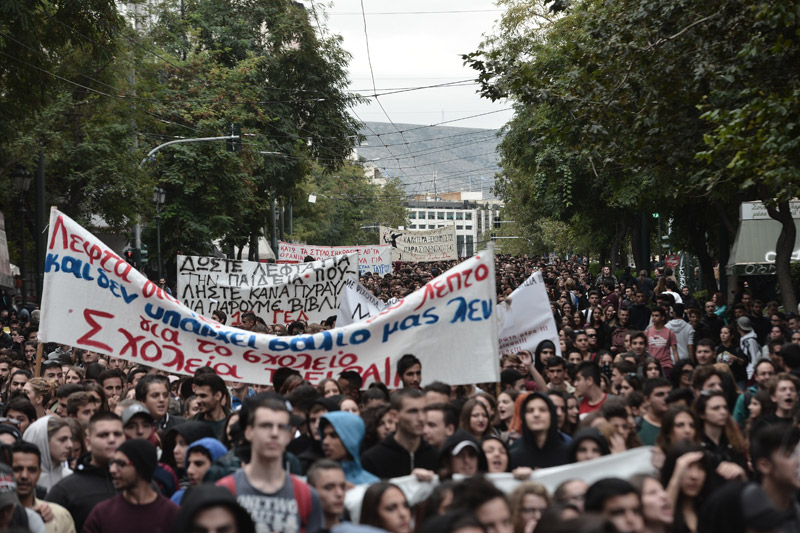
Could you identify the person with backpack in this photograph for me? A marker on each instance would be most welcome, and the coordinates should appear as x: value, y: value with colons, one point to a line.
x: 296, y: 507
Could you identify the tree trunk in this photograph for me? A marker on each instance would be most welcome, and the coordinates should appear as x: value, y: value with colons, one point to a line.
x: 619, y: 240
x: 697, y: 238
x: 783, y: 252
x: 636, y: 245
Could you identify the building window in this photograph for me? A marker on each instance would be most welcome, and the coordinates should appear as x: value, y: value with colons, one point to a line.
x: 431, y: 226
x: 459, y: 227
x: 431, y: 215
x: 440, y: 215
x: 449, y: 216
x: 459, y: 216
x: 468, y: 228
x: 468, y: 216
x: 412, y: 215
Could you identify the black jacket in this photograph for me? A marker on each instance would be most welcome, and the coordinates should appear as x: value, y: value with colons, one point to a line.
x: 388, y: 459
x: 525, y: 452
x: 79, y: 493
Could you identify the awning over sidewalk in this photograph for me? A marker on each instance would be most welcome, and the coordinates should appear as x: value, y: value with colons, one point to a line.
x: 753, y: 252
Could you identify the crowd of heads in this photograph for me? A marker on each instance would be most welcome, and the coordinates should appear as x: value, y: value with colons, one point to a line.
x: 710, y: 387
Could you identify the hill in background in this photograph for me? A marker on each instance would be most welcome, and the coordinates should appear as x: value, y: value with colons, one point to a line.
x: 428, y: 157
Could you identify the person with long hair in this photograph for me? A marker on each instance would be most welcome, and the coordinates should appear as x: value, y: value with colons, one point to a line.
x: 729, y: 353
x: 40, y: 392
x: 496, y: 453
x: 657, y: 509
x: 720, y: 307
x: 505, y: 409
x: 475, y: 419
x: 528, y: 501
x: 651, y: 368
x: 385, y: 506
x: 688, y: 477
x: 681, y: 375
x: 720, y: 435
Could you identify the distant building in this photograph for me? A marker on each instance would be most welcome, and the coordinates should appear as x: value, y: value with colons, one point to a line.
x: 474, y: 218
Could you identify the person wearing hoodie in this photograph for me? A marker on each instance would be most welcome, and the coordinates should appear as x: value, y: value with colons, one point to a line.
x: 684, y: 333
x: 177, y: 441
x: 341, y: 433
x: 91, y: 483
x: 53, y: 436
x: 588, y: 443
x: 212, y: 508
x: 200, y: 455
x: 541, y: 445
x: 461, y: 454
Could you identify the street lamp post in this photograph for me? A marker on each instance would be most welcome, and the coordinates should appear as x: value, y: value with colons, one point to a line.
x: 158, y: 199
x: 22, y: 182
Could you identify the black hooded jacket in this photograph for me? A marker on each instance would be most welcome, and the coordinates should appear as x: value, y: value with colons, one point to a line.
x: 388, y: 459
x: 525, y: 452
x: 588, y: 433
x: 79, y: 493
x: 190, y: 431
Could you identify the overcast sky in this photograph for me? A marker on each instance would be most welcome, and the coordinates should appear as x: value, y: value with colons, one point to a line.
x: 417, y: 49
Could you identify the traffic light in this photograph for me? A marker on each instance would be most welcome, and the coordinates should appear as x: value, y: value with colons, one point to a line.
x: 235, y: 145
x: 143, y: 255
x: 129, y: 255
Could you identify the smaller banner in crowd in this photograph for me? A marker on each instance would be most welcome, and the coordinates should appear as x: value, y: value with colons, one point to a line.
x: 419, y: 246
x: 280, y: 294
x: 376, y: 259
x: 94, y: 300
x: 622, y: 465
x: 525, y: 318
x: 357, y: 304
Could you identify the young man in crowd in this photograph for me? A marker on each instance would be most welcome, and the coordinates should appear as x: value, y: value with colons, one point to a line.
x: 409, y: 368
x: 272, y: 496
x: 81, y: 406
x: 328, y: 479
x: 762, y: 373
x: 704, y: 353
x: 588, y: 383
x: 210, y: 390
x: 152, y: 391
x: 617, y: 501
x: 661, y: 341
x: 138, y: 506
x: 27, y: 467
x: 405, y: 449
x: 200, y: 455
x: 90, y: 483
x: 655, y: 394
x: 773, y: 452
x: 441, y: 421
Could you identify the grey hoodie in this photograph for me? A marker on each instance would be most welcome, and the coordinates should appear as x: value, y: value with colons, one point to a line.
x: 684, y: 332
x: 51, y: 474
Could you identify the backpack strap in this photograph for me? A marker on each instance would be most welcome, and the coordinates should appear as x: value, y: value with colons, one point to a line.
x: 302, y: 494
x: 229, y: 483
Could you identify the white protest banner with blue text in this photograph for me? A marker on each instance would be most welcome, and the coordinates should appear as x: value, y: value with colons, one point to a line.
x: 280, y: 294
x: 420, y: 246
x: 95, y: 300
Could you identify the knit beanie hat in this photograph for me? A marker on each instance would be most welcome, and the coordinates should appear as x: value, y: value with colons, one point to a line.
x: 142, y: 454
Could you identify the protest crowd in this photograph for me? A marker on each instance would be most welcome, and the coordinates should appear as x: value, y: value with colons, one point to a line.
x: 705, y: 391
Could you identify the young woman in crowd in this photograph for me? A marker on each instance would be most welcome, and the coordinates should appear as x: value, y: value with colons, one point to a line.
x: 657, y: 509
x: 651, y: 368
x: 505, y: 410
x: 681, y: 375
x: 40, y: 392
x: 53, y: 436
x: 688, y: 477
x: 528, y: 501
x: 475, y: 419
x: 386, y: 507
x: 720, y: 435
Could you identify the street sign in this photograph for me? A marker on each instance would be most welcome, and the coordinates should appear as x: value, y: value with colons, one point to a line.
x: 671, y: 261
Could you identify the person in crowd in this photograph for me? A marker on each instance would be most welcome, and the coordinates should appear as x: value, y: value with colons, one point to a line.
x: 488, y: 503
x: 588, y: 383
x: 441, y: 421
x: 152, y: 391
x: 53, y: 437
x: 528, y: 502
x: 783, y: 394
x: 661, y: 341
x: 200, y: 455
x: 617, y: 501
x: 655, y: 393
x: 211, y: 392
x: 177, y: 442
x: 497, y: 455
x: 688, y: 475
x: 385, y: 506
x: 541, y: 444
x: 27, y: 468
x: 657, y: 510
x: 342, y: 433
x: 40, y: 393
x: 409, y: 368
x: 461, y: 454
x: 328, y: 479
x: 81, y: 406
x: 208, y: 508
x: 720, y: 436
x: 405, y: 449
x: 475, y: 419
x: 138, y: 506
x: 730, y: 352
x: 271, y: 495
x: 773, y: 452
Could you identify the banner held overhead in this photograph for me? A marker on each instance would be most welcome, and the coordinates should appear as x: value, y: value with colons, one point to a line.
x: 376, y: 259
x: 418, y: 246
x: 94, y: 300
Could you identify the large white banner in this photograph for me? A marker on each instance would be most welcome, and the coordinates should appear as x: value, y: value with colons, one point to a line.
x: 376, y: 259
x: 358, y: 303
x: 421, y: 245
x: 525, y: 318
x: 95, y: 300
x: 280, y: 294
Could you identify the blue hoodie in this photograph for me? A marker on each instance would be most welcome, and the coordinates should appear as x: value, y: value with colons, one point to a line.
x: 350, y: 429
x: 214, y: 447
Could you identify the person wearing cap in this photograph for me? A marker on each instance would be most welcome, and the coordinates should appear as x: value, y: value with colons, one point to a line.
x: 12, y: 514
x: 200, y: 455
x: 342, y: 433
x: 138, y: 507
x: 9, y: 434
x: 137, y: 422
x: 27, y: 467
x: 91, y: 483
x: 748, y: 342
x: 461, y: 454
x: 211, y: 508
